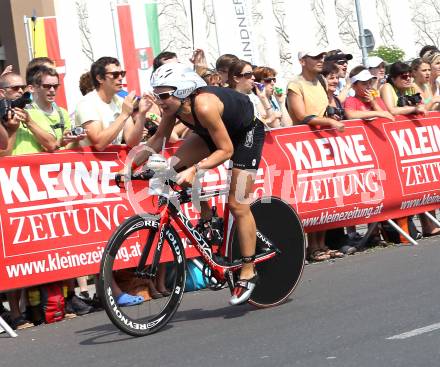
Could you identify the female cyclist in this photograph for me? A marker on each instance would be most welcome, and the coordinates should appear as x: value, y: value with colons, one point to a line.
x: 223, y: 127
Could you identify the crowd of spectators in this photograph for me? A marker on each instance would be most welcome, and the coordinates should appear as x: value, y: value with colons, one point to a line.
x: 326, y: 93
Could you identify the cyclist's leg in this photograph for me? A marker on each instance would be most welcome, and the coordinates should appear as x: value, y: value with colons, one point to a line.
x: 239, y: 204
x: 193, y: 150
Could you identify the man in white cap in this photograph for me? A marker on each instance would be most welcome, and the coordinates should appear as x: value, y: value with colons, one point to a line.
x: 306, y: 95
x: 376, y: 66
x: 307, y: 102
x: 366, y: 103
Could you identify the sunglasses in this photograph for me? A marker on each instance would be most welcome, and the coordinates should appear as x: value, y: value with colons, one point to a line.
x: 49, y: 86
x: 270, y: 80
x: 116, y: 74
x: 163, y: 95
x: 16, y: 88
x: 247, y: 75
x: 405, y: 76
x: 341, y: 62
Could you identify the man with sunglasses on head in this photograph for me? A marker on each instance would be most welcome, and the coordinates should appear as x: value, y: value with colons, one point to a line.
x: 223, y: 127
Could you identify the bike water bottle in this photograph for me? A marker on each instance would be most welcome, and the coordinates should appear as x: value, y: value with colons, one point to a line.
x: 159, y: 165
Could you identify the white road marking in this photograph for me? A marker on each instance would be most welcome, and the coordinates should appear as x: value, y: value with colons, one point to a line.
x: 416, y: 332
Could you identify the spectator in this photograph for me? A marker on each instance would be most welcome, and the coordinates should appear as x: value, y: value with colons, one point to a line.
x: 267, y: 76
x: 210, y: 76
x: 335, y: 108
x: 376, y: 67
x: 307, y: 102
x: 163, y: 58
x: 341, y: 60
x: 107, y: 120
x: 44, y: 110
x: 421, y: 72
x: 426, y: 49
x: 223, y: 64
x: 397, y: 92
x: 241, y: 78
x: 33, y: 67
x: 11, y: 88
x: 366, y: 103
x: 433, y: 58
x: 85, y: 83
x: 307, y: 98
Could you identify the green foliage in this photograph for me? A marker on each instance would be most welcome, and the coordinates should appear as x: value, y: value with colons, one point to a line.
x: 389, y: 54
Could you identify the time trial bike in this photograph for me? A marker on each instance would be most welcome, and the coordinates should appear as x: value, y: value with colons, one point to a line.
x: 144, y: 241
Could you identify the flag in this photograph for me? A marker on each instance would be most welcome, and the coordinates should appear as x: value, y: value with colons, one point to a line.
x: 139, y: 39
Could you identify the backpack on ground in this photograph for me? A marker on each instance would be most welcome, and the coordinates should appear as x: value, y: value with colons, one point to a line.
x: 194, y: 276
x: 52, y: 302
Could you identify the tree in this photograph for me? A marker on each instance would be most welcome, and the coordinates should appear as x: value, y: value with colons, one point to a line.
x: 386, y: 30
x: 286, y: 60
x: 83, y: 17
x: 426, y: 20
x: 389, y: 54
x: 318, y: 12
x: 347, y: 23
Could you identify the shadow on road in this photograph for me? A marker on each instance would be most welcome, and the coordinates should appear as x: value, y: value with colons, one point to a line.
x: 106, y: 334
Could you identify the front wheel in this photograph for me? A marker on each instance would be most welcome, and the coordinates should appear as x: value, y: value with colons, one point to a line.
x: 278, y: 276
x: 120, y: 259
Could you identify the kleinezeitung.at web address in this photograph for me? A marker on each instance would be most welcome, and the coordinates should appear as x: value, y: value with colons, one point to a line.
x: 55, y: 261
x: 329, y: 217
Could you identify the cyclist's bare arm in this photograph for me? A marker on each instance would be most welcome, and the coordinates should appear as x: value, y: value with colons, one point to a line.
x: 164, y: 130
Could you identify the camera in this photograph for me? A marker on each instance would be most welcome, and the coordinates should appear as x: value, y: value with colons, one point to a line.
x: 8, y: 105
x: 76, y: 131
x: 409, y: 100
x: 151, y: 127
x: 331, y: 112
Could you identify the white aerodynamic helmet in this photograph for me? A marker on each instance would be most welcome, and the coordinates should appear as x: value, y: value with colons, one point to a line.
x: 179, y: 76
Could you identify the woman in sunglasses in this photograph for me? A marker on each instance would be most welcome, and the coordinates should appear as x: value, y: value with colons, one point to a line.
x: 242, y: 79
x: 399, y: 93
x: 223, y: 127
x: 266, y: 76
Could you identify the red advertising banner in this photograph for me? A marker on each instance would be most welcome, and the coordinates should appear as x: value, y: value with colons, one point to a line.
x: 58, y: 210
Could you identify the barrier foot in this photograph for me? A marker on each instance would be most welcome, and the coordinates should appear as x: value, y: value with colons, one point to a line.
x: 7, y: 328
x: 432, y: 218
x: 371, y: 228
x: 402, y: 232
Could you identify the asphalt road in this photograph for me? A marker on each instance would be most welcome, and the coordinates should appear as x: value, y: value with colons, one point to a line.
x: 380, y: 308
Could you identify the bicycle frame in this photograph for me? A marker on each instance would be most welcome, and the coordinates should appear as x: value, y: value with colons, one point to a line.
x: 220, y: 271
